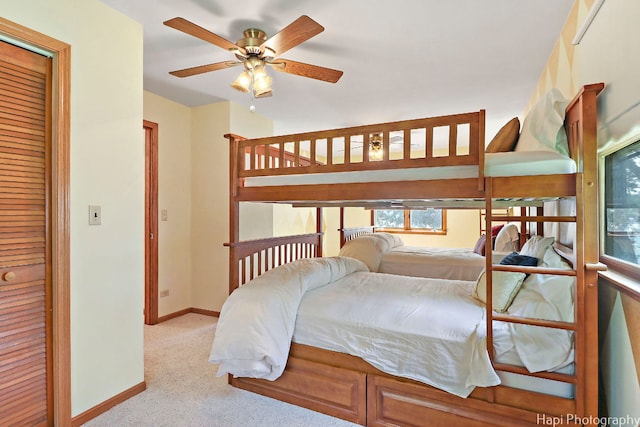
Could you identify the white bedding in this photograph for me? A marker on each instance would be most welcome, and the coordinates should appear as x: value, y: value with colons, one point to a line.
x: 430, y: 330
x: 513, y: 163
x: 403, y: 326
x: 256, y: 322
x: 385, y: 253
x: 444, y: 263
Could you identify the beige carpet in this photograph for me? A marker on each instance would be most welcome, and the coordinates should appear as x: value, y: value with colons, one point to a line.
x: 183, y: 390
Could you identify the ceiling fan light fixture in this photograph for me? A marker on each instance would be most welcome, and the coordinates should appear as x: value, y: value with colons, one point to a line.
x: 261, y: 85
x: 262, y: 94
x: 243, y: 82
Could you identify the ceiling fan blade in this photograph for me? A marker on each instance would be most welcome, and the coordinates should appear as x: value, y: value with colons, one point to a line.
x: 204, y: 68
x: 307, y: 70
x: 292, y: 35
x: 194, y: 30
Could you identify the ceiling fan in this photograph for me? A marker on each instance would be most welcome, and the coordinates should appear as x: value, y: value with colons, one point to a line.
x: 255, y: 51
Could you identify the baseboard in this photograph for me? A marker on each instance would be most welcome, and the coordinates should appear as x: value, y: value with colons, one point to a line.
x: 103, y: 407
x: 90, y: 414
x: 186, y: 311
x: 205, y: 312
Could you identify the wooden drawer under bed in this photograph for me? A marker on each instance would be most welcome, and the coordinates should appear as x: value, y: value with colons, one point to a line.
x: 346, y: 387
x: 331, y: 390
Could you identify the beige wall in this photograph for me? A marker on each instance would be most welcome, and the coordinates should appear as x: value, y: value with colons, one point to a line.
x: 174, y: 196
x: 193, y: 187
x: 107, y: 169
x: 608, y: 53
x: 210, y: 198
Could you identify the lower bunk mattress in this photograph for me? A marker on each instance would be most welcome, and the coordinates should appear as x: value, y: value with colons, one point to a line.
x: 429, y: 330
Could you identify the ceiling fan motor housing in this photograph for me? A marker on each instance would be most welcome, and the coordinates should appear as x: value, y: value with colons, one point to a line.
x: 253, y: 38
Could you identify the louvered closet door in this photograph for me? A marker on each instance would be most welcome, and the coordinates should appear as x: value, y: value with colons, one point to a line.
x: 25, y: 316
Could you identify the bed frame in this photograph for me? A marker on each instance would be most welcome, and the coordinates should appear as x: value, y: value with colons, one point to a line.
x: 347, y: 387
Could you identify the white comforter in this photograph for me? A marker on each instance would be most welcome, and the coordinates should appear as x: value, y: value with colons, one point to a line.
x: 256, y: 322
x: 429, y: 330
x: 439, y: 325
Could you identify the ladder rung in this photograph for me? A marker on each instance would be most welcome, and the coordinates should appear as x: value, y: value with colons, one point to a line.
x: 555, y: 376
x: 533, y: 270
x: 556, y: 324
x: 535, y: 218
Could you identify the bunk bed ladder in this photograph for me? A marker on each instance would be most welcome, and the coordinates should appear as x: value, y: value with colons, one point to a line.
x: 524, y: 218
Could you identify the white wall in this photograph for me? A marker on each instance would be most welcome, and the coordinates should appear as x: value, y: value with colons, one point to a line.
x: 174, y: 196
x: 609, y: 53
x: 107, y: 169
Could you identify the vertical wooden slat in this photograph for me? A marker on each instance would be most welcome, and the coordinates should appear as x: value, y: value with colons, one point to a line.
x: 385, y: 146
x: 429, y: 142
x: 296, y: 153
x: 453, y: 140
x: 365, y: 148
x: 252, y: 157
x: 312, y: 151
x: 406, y: 144
x: 347, y: 149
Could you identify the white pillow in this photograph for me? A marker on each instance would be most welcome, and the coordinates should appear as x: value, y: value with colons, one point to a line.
x: 536, y: 247
x: 367, y: 248
x: 392, y: 240
x: 543, y: 127
x: 549, y: 297
x: 507, y: 239
x: 551, y: 259
x: 504, y: 286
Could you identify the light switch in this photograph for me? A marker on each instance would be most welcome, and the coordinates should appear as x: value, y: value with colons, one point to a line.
x: 95, y: 215
x: 163, y: 215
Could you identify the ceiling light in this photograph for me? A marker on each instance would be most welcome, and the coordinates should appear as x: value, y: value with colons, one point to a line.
x: 254, y: 79
x: 243, y: 82
x: 375, y: 146
x: 261, y: 84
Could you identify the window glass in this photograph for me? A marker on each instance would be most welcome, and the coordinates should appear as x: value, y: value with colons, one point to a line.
x: 389, y: 218
x: 622, y: 204
x: 427, y: 220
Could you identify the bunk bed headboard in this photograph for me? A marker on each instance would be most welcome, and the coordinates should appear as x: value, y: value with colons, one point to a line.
x: 251, y: 258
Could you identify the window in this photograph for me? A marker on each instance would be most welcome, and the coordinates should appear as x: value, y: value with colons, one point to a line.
x: 427, y: 221
x: 622, y: 204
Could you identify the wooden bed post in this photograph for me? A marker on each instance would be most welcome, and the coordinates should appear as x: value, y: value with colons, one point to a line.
x: 319, y: 230
x: 234, y: 211
x: 583, y: 110
x: 342, y: 214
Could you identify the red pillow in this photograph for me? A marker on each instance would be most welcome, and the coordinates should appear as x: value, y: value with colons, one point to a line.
x: 496, y: 229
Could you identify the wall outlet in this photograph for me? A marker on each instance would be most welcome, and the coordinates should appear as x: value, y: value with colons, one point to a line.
x: 164, y: 293
x: 163, y: 215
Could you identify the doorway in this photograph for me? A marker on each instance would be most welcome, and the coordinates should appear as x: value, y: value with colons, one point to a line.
x: 151, y: 223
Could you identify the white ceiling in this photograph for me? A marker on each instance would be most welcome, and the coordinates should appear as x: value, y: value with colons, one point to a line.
x: 401, y: 59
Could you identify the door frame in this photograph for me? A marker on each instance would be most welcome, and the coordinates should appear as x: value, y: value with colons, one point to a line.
x: 151, y: 223
x: 59, y: 209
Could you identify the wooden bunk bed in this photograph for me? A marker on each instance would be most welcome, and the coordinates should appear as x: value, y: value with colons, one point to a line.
x: 347, y: 387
